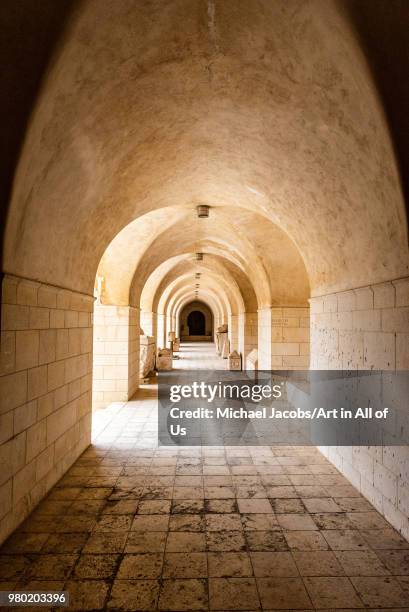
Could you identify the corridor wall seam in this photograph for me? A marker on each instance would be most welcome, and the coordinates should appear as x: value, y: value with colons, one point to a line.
x: 367, y: 328
x: 45, y: 391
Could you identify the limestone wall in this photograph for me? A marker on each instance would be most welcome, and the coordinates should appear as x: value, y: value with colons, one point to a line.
x: 283, y: 339
x: 116, y: 354
x: 45, y: 391
x: 367, y: 328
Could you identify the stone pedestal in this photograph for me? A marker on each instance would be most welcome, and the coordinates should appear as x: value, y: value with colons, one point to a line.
x: 147, y: 358
x: 164, y: 359
x: 176, y: 345
x: 235, y: 361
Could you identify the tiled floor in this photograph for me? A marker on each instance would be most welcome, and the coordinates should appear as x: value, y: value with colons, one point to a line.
x: 136, y: 527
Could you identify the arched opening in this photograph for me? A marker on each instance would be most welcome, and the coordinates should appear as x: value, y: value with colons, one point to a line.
x: 196, y: 323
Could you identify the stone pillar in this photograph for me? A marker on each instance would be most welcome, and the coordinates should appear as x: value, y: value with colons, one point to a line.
x: 116, y: 353
x: 233, y: 327
x: 283, y: 338
x: 161, y: 331
x: 148, y: 323
x: 248, y: 333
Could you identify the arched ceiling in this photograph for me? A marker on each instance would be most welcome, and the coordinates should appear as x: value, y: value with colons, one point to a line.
x: 264, y: 110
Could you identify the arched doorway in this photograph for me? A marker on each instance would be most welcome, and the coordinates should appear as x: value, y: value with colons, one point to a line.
x: 196, y: 323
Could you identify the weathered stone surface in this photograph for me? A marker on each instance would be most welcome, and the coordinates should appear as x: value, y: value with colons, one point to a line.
x: 147, y: 355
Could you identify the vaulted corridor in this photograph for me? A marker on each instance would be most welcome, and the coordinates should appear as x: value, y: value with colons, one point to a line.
x: 194, y: 187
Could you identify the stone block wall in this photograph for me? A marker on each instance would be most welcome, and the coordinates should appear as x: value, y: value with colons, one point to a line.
x: 283, y: 339
x: 367, y: 328
x: 45, y: 391
x: 116, y: 354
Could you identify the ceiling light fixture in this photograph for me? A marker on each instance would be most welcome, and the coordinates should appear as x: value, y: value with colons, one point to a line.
x: 199, y: 256
x: 202, y: 211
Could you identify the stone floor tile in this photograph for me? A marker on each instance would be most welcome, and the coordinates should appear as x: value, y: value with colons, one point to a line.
x: 96, y: 566
x: 13, y: 566
x: 233, y: 594
x: 186, y: 595
x: 306, y: 540
x: 141, y: 542
x: 219, y: 492
x: 95, y: 493
x: 218, y: 541
x: 49, y: 506
x: 288, y: 506
x: 283, y: 593
x: 220, y: 506
x: 186, y: 522
x: 64, y: 493
x: 150, y: 522
x: 380, y: 591
x: 188, y: 492
x: 276, y: 564
x: 318, y: 563
x: 254, y: 506
x: 266, y: 541
x: 260, y: 522
x: 384, y: 539
x: 185, y: 565
x: 134, y: 595
x: 105, y: 543
x: 154, y: 506
x: 188, y: 481
x: 229, y: 564
x: 321, y: 504
x: 155, y: 492
x: 75, y: 524
x: 86, y: 506
x: 342, y: 491
x: 353, y: 504
x: 223, y: 522
x: 187, y: 506
x: 125, y: 506
x: 140, y: 566
x: 113, y: 522
x: 87, y: 594
x: 24, y: 543
x: 361, y: 563
x: 217, y: 481
x: 332, y: 592
x: 51, y: 567
x: 296, y: 522
x: 333, y: 520
x: 185, y: 541
x: 396, y: 561
x: 250, y: 492
x: 285, y: 492
x: 65, y: 543
x: 367, y: 520
x: 344, y: 539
